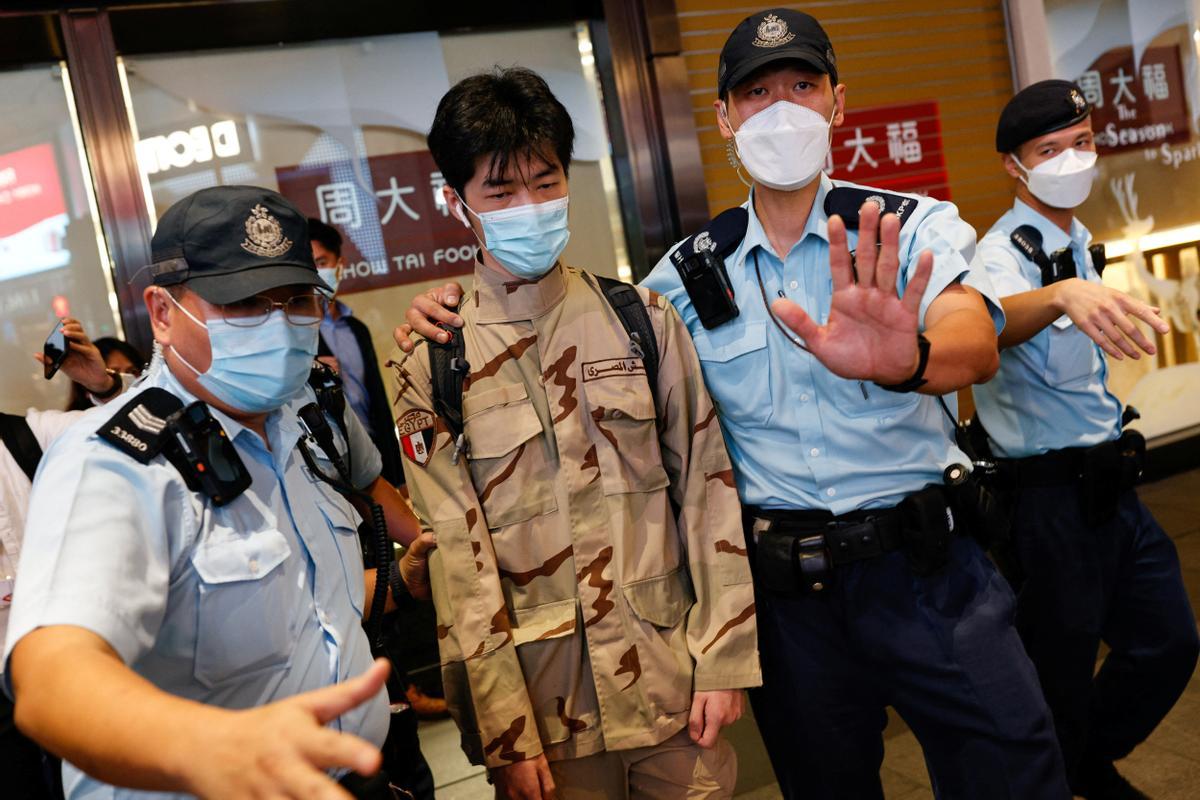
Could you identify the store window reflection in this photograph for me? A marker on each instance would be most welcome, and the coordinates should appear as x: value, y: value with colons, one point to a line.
x: 1136, y: 61
x: 51, y: 260
x: 339, y: 128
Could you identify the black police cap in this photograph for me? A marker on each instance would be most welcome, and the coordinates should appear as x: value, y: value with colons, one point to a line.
x: 774, y: 35
x: 228, y: 243
x: 1040, y: 108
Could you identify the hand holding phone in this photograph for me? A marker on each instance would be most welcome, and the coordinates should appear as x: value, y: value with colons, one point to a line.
x: 55, y: 351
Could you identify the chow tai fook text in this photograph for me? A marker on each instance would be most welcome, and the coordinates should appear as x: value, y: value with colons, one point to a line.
x: 392, y: 216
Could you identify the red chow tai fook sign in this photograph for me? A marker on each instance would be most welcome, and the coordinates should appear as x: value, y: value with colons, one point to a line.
x: 1136, y: 106
x: 393, y: 219
x: 891, y: 147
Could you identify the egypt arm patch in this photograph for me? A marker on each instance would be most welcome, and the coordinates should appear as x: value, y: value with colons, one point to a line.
x: 416, y: 431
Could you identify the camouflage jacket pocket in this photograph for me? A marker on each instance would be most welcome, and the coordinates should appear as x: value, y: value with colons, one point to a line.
x: 622, y: 410
x: 663, y: 601
x: 510, y: 467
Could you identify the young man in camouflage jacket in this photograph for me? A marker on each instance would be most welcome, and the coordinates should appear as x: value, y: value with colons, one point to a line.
x: 596, y: 616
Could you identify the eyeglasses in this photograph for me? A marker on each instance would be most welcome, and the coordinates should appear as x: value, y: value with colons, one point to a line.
x: 303, y: 309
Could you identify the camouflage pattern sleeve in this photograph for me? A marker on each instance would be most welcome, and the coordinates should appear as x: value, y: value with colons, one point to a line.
x: 721, y: 631
x: 485, y: 687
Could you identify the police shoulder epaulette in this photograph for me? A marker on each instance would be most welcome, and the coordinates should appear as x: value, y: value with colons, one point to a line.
x: 138, y: 428
x: 1028, y: 240
x: 720, y: 236
x: 845, y: 201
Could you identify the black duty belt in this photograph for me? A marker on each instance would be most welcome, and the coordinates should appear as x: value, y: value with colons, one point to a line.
x: 1116, y: 463
x: 851, y: 537
x: 1102, y: 473
x: 797, y: 551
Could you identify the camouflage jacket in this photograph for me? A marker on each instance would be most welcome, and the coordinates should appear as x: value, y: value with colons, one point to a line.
x: 577, y: 611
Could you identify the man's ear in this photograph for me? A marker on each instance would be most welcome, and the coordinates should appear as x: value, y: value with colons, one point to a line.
x: 1010, y: 165
x: 723, y: 124
x: 159, y: 307
x: 839, y: 104
x: 455, y: 205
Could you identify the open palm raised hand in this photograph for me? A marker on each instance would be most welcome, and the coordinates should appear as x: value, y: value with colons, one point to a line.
x: 872, y: 332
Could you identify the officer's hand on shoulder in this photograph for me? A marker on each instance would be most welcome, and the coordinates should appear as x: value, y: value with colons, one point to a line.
x: 429, y: 308
x: 1107, y: 316
x: 525, y: 780
x: 283, y: 749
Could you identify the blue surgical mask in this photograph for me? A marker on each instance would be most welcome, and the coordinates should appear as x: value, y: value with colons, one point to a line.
x: 527, y: 240
x: 257, y: 369
x: 330, y: 276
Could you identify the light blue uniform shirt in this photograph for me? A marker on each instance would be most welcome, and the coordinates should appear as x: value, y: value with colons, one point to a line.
x: 799, y: 436
x: 1050, y: 391
x: 236, y: 606
x: 351, y: 367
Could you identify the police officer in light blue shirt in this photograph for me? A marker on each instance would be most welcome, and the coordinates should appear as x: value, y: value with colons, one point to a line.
x: 826, y: 371
x: 170, y: 638
x: 1091, y: 562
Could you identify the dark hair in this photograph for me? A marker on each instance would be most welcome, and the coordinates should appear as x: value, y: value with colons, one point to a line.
x: 502, y: 114
x: 325, y: 235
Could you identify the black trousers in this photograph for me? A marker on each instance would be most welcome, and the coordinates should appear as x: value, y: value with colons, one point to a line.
x: 24, y: 775
x: 940, y: 649
x: 1119, y: 583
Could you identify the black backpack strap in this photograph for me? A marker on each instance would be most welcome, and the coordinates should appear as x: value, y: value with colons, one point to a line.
x: 634, y: 317
x: 21, y: 443
x: 448, y: 369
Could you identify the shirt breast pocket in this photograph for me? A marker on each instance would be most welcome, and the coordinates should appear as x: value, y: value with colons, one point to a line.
x: 511, y: 469
x: 627, y: 449
x: 1070, y: 355
x: 343, y: 524
x: 737, y: 367
x: 878, y: 403
x: 245, y: 611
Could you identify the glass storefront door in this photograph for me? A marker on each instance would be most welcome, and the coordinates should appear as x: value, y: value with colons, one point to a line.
x: 339, y: 126
x: 53, y: 261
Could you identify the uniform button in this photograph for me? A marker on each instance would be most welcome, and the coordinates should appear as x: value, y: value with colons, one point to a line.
x: 814, y: 452
x: 804, y: 398
x: 831, y: 492
x: 794, y: 285
x: 254, y: 566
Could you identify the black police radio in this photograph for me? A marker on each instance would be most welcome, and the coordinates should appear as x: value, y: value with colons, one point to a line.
x: 157, y: 422
x: 700, y: 262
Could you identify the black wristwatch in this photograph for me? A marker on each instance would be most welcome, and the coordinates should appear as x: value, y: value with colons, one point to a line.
x: 918, y: 378
x: 112, y: 391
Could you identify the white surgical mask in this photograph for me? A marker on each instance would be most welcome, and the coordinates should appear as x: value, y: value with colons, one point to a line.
x: 1064, y: 181
x: 784, y: 146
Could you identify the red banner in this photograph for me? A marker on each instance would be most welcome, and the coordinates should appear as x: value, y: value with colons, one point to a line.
x: 1134, y: 108
x: 396, y: 226
x: 892, y: 147
x: 30, y: 191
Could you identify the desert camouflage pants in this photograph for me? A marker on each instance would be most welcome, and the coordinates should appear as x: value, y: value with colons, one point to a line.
x: 677, y: 769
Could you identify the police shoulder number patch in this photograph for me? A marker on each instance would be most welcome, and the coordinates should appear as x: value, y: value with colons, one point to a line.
x: 416, y: 431
x: 138, y: 429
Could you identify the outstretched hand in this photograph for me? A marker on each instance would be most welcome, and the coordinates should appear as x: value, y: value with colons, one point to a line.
x: 872, y: 331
